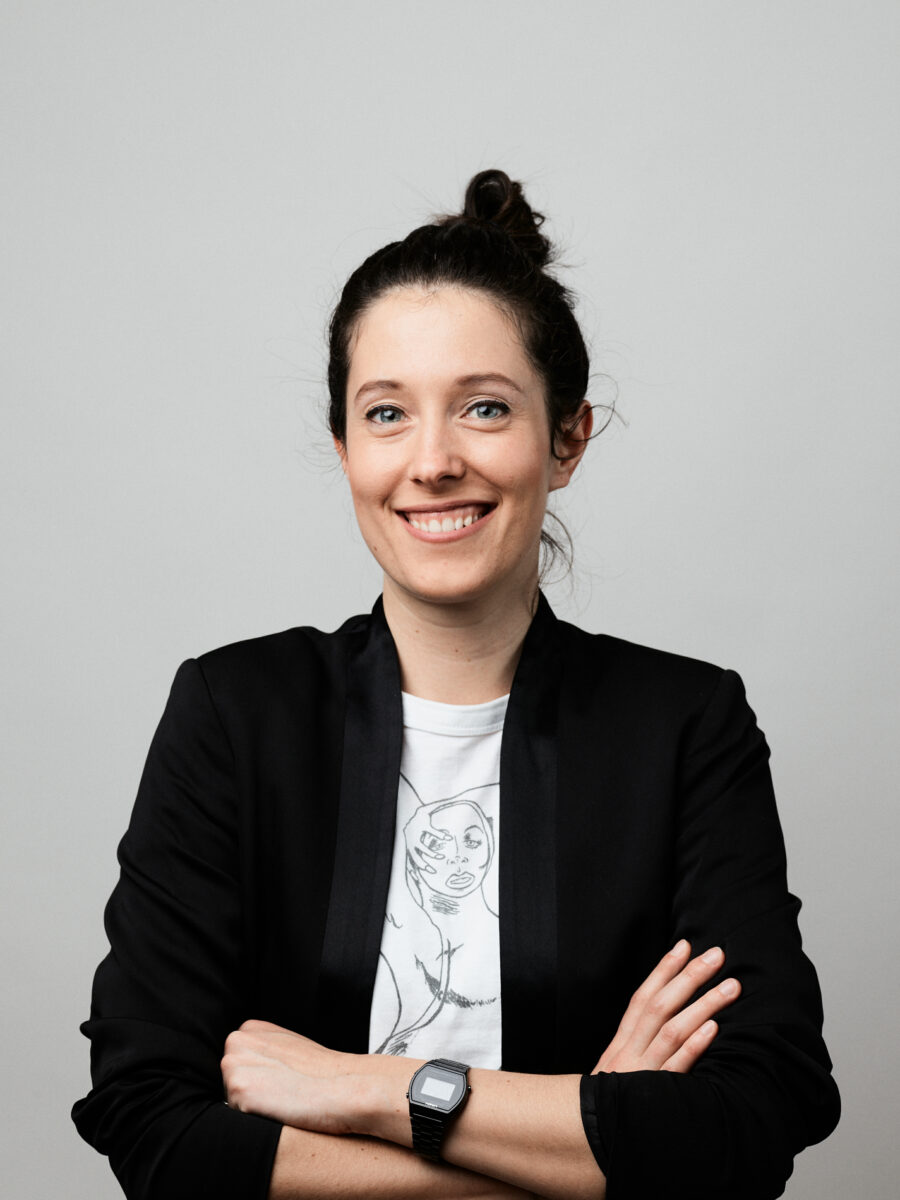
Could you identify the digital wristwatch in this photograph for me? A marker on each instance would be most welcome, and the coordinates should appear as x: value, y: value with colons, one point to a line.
x: 436, y: 1093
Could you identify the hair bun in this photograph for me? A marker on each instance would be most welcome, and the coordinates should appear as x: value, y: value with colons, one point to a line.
x: 495, y: 199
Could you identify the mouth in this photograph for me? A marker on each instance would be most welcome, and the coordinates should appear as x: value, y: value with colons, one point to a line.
x: 462, y: 880
x: 447, y: 518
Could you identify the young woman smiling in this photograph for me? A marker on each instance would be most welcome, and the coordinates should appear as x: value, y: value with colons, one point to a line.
x: 429, y: 442
x: 541, y: 869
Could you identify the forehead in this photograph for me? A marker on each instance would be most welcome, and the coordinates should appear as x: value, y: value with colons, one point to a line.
x: 436, y: 332
x: 460, y: 815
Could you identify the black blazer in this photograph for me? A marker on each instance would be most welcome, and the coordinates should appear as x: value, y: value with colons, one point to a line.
x: 636, y: 808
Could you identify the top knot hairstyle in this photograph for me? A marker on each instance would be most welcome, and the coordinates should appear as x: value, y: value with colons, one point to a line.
x: 495, y: 246
x: 493, y: 198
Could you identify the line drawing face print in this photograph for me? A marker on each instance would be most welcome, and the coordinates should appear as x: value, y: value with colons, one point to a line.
x: 450, y: 849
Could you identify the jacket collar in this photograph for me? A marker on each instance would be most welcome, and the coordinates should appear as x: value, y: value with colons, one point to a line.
x: 373, y: 739
x: 528, y: 857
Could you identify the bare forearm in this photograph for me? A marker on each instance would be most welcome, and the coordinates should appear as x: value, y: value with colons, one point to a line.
x: 322, y: 1166
x: 527, y: 1130
x: 523, y: 1129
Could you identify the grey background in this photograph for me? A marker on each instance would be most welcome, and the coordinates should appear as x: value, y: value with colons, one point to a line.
x: 187, y: 186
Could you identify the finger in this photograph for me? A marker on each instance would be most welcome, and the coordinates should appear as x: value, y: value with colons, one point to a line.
x: 422, y: 862
x: 664, y: 971
x: 253, y: 1026
x: 697, y: 1044
x: 676, y: 1032
x: 674, y: 997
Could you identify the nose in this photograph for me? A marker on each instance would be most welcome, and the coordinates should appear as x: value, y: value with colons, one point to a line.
x: 435, y: 454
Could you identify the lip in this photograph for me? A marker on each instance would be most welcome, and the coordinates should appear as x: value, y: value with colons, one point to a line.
x: 452, y: 535
x: 460, y: 880
x: 446, y: 505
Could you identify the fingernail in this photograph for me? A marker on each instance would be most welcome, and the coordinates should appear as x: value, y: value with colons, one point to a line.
x: 708, y: 1028
x: 679, y: 947
x: 728, y: 987
x: 713, y: 955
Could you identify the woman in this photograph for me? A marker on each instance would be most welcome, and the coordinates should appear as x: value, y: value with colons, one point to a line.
x: 635, y: 813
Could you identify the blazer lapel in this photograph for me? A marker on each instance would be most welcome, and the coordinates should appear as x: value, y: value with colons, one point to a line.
x: 373, y: 740
x: 528, y: 853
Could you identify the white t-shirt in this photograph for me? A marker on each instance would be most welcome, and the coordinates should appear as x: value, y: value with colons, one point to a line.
x: 437, y: 988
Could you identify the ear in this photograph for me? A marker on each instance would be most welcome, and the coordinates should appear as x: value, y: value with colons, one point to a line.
x: 341, y: 449
x: 570, y: 446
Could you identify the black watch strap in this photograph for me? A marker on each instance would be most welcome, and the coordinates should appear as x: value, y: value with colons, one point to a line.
x: 429, y: 1127
x: 454, y: 1066
x: 427, y: 1134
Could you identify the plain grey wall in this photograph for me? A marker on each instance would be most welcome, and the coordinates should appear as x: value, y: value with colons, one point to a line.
x: 186, y: 187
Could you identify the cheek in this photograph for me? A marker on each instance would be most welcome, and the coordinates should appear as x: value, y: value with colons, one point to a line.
x: 369, y: 473
x: 478, y: 855
x: 361, y: 484
x: 527, y: 472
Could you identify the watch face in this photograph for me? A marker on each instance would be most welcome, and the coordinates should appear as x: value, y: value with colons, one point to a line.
x: 437, y: 1087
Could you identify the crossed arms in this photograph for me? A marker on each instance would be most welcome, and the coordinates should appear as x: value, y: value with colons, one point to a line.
x: 523, y: 1131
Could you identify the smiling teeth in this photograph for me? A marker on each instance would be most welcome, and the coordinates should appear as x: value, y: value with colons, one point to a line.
x: 448, y: 524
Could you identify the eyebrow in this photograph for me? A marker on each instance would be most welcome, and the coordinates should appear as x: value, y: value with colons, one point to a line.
x: 479, y: 377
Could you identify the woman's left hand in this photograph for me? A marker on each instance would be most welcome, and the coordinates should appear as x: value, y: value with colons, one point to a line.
x: 277, y: 1073
x: 661, y: 1030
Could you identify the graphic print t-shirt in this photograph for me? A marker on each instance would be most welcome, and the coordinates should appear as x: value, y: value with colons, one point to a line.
x: 437, y: 989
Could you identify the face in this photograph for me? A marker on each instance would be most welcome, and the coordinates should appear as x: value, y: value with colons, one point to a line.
x: 447, y: 449
x: 452, y: 851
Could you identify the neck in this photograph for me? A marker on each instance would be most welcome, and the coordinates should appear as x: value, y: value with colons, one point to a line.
x: 440, y: 905
x: 461, y: 653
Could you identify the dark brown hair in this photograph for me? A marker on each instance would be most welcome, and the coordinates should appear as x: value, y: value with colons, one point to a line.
x: 495, y: 246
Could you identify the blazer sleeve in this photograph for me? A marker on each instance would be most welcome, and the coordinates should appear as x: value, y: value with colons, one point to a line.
x: 171, y: 987
x: 763, y: 1090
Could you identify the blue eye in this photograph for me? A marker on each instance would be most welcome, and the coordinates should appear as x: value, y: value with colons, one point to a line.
x: 384, y: 414
x: 489, y: 410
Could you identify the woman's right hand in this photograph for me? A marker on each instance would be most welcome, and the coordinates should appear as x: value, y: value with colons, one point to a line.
x: 661, y: 1030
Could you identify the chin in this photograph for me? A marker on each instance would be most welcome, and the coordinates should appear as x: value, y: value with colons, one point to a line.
x: 459, y: 588
x: 443, y: 591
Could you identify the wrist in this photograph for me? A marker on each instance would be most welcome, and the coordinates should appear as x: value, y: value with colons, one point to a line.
x: 385, y: 1065
x: 379, y: 1105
